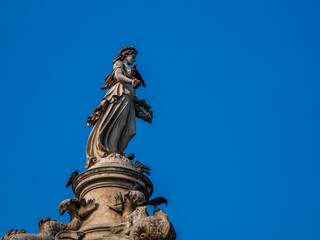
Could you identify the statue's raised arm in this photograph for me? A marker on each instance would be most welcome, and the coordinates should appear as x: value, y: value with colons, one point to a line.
x: 114, y: 120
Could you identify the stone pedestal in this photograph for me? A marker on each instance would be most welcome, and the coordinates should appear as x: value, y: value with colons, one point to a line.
x: 110, y: 203
x: 103, y: 182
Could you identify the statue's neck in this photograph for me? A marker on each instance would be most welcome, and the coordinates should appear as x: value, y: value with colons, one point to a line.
x: 125, y: 62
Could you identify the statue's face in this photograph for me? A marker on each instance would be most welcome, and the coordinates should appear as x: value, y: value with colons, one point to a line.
x: 131, y: 58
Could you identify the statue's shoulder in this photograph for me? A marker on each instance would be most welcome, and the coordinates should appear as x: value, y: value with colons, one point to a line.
x: 117, y: 64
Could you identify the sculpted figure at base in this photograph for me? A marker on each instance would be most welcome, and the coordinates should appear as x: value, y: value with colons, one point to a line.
x: 47, y: 230
x: 77, y: 210
x: 155, y: 227
x: 137, y: 223
x: 50, y: 229
x: 114, y: 120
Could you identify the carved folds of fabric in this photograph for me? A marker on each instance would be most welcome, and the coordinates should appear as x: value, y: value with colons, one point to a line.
x: 116, y: 125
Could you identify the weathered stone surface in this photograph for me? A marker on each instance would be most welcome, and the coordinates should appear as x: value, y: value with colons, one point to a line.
x: 109, y: 183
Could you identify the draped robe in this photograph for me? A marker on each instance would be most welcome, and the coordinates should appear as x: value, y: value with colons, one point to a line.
x: 116, y: 124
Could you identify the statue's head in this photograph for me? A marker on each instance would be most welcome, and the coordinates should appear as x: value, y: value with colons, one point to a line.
x: 126, y: 52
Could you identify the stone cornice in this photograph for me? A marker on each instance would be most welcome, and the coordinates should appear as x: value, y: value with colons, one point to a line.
x: 110, y: 176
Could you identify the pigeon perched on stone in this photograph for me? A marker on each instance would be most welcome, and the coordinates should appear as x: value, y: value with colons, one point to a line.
x: 72, y: 177
x: 156, y: 201
x: 142, y: 168
x: 130, y: 156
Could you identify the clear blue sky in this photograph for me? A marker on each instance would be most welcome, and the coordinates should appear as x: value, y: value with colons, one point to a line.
x: 234, y: 86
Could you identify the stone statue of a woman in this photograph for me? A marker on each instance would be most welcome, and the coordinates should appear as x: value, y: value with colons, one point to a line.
x: 114, y: 120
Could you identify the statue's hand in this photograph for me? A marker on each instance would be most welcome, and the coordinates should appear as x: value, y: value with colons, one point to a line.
x: 136, y: 83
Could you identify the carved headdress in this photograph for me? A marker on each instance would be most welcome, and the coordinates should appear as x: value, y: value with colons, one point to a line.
x: 124, y: 52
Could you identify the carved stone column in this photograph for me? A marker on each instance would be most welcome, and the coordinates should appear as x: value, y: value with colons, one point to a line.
x: 103, y: 182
